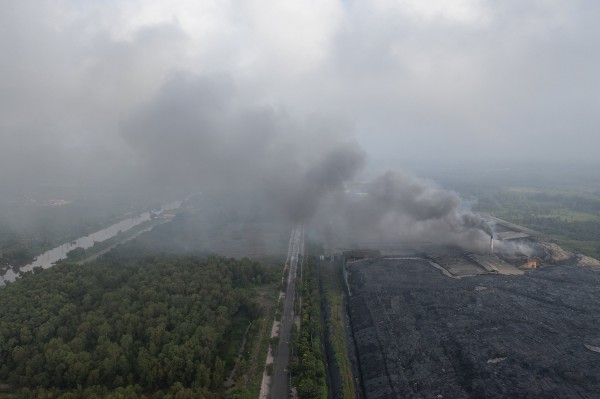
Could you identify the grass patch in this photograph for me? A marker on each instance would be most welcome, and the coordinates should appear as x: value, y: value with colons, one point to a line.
x: 251, y: 370
x: 233, y: 339
x: 590, y: 248
x: 7, y: 391
x: 567, y: 215
x: 334, y: 290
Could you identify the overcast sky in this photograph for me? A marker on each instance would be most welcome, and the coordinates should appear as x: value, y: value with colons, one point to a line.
x: 414, y: 79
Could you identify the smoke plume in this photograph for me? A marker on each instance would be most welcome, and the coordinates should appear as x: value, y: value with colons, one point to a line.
x: 396, y: 207
x: 198, y: 133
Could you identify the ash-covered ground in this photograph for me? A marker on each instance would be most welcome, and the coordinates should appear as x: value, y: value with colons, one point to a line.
x: 420, y: 334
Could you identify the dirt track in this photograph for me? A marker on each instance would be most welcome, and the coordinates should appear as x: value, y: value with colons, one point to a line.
x: 422, y: 335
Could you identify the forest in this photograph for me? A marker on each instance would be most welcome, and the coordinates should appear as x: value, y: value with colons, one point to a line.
x: 116, y: 327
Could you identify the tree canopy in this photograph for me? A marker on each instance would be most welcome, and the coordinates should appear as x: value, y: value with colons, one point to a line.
x: 147, y: 325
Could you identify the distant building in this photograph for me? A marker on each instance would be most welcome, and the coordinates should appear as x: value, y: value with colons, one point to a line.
x: 531, y: 263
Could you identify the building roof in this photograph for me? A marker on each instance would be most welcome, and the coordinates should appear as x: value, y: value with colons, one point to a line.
x: 512, y: 235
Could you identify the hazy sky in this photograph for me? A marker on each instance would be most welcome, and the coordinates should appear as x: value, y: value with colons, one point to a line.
x: 82, y: 81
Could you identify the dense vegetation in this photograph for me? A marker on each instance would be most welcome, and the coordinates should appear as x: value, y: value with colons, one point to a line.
x: 308, y: 369
x: 332, y: 277
x: 117, y: 328
x: 82, y: 255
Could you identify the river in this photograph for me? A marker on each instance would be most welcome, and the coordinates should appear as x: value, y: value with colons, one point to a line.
x: 48, y: 258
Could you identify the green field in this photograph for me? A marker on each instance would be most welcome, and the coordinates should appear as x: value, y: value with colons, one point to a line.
x: 334, y: 291
x: 572, y: 218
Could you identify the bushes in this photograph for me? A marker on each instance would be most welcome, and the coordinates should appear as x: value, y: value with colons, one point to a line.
x: 309, y: 369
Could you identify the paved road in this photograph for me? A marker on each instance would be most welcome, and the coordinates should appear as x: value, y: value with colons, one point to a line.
x: 280, y: 377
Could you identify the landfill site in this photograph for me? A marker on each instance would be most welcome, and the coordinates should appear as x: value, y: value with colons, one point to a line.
x: 449, y: 324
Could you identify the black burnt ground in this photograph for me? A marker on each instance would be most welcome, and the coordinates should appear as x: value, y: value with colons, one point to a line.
x: 421, y: 334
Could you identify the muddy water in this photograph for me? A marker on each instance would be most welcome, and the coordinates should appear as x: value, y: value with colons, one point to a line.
x: 48, y: 258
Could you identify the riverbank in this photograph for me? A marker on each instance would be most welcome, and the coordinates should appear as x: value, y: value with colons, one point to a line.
x: 49, y: 258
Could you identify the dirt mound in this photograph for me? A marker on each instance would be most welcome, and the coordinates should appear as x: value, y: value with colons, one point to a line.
x: 553, y: 254
x: 583, y: 260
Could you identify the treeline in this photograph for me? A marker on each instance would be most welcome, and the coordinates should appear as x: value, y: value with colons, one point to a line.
x: 125, y: 329
x: 577, y: 230
x: 308, y: 368
x: 537, y: 203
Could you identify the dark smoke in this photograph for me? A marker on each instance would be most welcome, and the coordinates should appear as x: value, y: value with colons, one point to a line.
x: 477, y: 222
x: 327, y: 175
x: 197, y: 134
x: 397, y: 207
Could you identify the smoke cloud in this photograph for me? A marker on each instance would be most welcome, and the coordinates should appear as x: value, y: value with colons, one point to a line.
x: 511, y: 248
x: 263, y: 104
x: 397, y: 207
x: 198, y: 133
